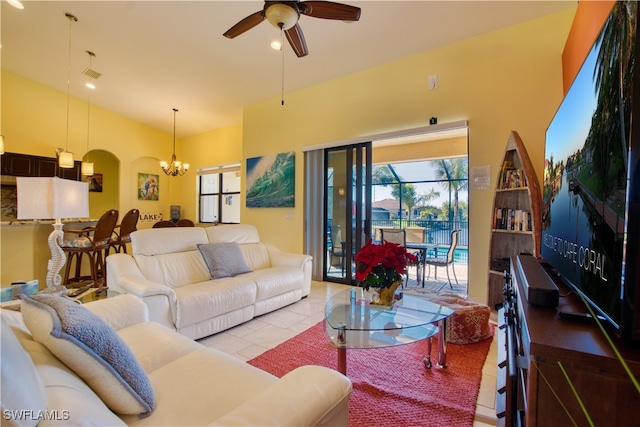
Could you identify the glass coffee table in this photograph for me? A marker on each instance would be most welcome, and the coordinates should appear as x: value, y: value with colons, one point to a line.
x: 352, y: 322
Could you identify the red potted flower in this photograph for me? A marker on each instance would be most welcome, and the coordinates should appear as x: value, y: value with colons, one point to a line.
x: 381, y: 265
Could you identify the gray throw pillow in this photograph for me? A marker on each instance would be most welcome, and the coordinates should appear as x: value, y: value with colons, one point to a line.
x: 92, y: 349
x: 224, y: 259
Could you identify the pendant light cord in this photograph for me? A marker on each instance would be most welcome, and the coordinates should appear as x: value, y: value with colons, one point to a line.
x: 282, y: 50
x: 174, y: 133
x: 88, y: 122
x: 72, y: 19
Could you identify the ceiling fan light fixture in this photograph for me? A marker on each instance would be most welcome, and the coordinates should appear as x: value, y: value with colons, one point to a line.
x: 282, y: 16
x: 276, y: 45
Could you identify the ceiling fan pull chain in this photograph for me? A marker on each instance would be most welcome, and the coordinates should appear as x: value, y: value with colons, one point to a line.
x: 282, y: 50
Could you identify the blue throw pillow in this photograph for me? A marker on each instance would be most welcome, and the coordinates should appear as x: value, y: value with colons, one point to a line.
x: 92, y: 349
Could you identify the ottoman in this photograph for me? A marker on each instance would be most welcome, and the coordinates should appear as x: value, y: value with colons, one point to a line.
x: 470, y: 321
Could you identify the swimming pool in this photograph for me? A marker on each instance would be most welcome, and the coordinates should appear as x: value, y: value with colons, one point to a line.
x: 460, y: 255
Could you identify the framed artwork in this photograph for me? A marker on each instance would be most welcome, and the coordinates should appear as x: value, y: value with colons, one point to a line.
x: 271, y: 181
x: 95, y: 182
x: 148, y: 186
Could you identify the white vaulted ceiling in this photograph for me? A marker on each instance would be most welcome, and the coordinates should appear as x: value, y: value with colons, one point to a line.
x: 157, y: 55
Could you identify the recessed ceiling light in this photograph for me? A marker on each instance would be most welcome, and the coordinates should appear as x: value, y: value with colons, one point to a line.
x: 90, y: 85
x: 276, y: 45
x: 16, y: 4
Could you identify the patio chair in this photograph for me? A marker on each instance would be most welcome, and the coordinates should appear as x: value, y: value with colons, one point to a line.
x: 337, y: 245
x: 444, y: 262
x: 399, y: 236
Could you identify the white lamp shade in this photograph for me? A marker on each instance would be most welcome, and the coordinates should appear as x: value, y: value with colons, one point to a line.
x: 52, y: 198
x: 86, y: 168
x: 65, y: 160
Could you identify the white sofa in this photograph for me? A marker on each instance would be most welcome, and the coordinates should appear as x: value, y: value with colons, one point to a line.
x: 167, y: 270
x: 193, y: 385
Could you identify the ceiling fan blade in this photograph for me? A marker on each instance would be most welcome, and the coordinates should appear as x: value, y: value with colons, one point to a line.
x: 296, y: 40
x: 329, y: 10
x: 245, y: 25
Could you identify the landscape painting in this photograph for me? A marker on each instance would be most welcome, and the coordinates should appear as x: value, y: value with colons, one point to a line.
x: 271, y: 181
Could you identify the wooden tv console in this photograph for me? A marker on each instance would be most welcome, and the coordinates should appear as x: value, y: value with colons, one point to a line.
x: 536, y: 345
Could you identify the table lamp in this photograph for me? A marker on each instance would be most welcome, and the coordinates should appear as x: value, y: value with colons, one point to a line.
x: 53, y: 198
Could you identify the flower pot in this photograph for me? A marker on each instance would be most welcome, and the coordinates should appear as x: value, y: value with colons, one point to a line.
x: 385, y: 295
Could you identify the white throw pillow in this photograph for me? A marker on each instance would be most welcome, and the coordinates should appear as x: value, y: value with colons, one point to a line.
x: 92, y: 349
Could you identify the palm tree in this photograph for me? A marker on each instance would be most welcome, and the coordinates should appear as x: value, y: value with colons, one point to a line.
x: 613, y: 76
x: 454, y: 177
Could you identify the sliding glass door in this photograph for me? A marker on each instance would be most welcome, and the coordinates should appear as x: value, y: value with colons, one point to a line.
x: 347, y: 208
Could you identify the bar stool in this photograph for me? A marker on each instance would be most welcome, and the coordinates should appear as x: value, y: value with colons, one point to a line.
x: 122, y: 233
x: 93, y: 242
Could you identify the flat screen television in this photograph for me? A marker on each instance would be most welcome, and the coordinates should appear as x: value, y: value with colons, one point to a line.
x: 591, y: 218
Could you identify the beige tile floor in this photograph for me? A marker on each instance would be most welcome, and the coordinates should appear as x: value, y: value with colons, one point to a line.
x: 250, y: 339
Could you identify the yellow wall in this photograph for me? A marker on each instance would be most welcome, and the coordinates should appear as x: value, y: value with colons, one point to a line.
x: 506, y: 80
x: 106, y: 164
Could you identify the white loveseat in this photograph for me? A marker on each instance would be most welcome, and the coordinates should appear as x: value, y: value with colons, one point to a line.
x: 193, y: 385
x: 168, y: 271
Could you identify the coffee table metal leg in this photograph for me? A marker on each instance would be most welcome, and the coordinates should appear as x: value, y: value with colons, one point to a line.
x: 342, y: 360
x: 342, y: 349
x: 442, y: 344
x: 427, y: 358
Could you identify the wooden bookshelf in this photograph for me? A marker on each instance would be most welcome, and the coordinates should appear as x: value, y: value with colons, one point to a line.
x: 516, y: 215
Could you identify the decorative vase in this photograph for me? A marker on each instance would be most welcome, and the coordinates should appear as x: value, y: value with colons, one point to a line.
x: 385, y: 295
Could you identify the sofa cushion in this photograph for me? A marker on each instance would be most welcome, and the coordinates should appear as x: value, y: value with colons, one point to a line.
x: 239, y: 233
x: 276, y: 281
x: 224, y: 259
x: 256, y: 255
x: 176, y: 269
x: 200, y: 387
x: 206, y: 300
x: 22, y: 389
x: 92, y: 349
x: 170, y: 256
x: 158, y: 241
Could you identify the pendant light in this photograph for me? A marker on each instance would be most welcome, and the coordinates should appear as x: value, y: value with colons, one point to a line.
x: 86, y: 169
x: 174, y: 168
x: 65, y: 158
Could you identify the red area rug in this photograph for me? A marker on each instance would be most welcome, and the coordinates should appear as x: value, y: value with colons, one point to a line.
x: 391, y: 386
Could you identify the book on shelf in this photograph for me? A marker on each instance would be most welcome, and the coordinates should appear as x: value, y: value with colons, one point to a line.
x: 511, y: 219
x: 512, y: 177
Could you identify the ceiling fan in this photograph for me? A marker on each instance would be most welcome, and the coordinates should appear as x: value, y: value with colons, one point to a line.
x: 285, y: 14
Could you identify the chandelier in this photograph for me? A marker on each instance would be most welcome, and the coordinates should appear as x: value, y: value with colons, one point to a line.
x: 174, y: 168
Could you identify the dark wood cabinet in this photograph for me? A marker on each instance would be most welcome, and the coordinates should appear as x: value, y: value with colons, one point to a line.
x: 558, y: 372
x: 14, y: 164
x: 18, y: 165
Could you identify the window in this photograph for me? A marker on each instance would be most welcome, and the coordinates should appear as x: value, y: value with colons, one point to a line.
x: 219, y: 194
